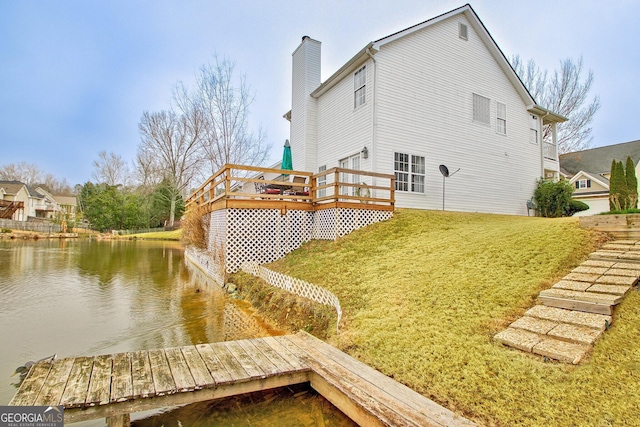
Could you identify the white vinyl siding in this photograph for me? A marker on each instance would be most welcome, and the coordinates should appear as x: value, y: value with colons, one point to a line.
x: 360, y: 87
x: 481, y: 109
x: 424, y: 105
x: 501, y: 118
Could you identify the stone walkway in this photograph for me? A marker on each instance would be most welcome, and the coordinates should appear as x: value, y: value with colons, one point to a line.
x: 577, y: 310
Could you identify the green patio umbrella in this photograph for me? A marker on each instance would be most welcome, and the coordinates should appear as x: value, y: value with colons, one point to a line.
x: 287, y: 163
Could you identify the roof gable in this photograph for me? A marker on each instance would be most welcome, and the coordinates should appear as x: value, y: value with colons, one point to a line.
x: 598, y: 160
x: 604, y: 182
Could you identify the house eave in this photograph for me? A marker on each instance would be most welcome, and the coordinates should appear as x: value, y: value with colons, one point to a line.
x: 352, y: 65
x: 548, y: 116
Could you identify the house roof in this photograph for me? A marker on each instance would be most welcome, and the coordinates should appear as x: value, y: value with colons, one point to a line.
x: 12, y: 187
x: 598, y: 160
x: 373, y: 47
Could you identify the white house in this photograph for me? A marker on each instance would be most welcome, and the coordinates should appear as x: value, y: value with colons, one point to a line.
x: 438, y: 93
x: 589, y: 172
x: 31, y: 203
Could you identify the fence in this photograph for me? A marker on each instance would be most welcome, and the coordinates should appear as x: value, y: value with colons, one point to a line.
x: 295, y: 286
x: 36, y: 226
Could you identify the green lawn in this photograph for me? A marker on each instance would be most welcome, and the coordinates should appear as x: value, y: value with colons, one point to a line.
x: 424, y: 293
x: 158, y: 235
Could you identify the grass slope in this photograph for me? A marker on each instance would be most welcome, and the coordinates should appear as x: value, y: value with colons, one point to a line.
x: 157, y: 235
x: 424, y: 293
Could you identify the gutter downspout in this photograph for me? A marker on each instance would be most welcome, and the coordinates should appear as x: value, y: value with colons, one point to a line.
x: 374, y: 119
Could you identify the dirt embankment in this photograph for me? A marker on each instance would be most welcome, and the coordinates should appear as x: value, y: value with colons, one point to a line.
x: 285, y: 311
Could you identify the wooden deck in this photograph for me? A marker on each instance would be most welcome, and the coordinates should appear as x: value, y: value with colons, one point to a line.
x: 114, y: 386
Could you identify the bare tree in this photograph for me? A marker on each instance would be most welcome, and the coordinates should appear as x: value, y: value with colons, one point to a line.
x: 27, y: 173
x: 224, y: 104
x: 566, y: 92
x: 173, y: 140
x: 110, y: 169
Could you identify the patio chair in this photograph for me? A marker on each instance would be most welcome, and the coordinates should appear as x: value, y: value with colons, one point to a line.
x: 299, y: 190
x: 262, y: 188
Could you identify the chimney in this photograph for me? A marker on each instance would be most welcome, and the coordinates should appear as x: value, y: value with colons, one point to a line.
x: 303, y: 128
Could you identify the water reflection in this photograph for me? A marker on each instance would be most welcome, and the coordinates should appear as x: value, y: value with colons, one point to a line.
x: 86, y: 297
x: 94, y: 297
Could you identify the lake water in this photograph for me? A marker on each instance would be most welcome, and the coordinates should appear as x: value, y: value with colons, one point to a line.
x: 87, y: 297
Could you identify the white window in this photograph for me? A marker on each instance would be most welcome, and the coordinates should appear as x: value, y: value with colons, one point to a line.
x: 410, y: 172
x: 360, y: 87
x: 322, y: 180
x: 352, y: 162
x: 501, y: 118
x: 463, y: 31
x: 533, y: 132
x: 583, y: 183
x: 481, y: 112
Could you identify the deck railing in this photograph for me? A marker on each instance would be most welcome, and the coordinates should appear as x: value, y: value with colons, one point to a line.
x: 237, y: 185
x: 549, y: 151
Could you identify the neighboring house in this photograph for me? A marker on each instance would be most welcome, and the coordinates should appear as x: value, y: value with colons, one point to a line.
x: 62, y: 207
x: 34, y: 204
x: 440, y: 92
x: 589, y: 172
x: 22, y: 202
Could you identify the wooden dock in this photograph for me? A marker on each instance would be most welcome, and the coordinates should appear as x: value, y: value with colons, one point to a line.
x: 114, y: 386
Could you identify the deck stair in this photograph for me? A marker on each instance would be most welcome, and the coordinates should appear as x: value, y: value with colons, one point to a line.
x: 8, y: 208
x: 574, y: 313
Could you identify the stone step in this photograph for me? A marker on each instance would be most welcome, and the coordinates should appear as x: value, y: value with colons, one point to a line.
x: 575, y: 334
x: 559, y: 315
x: 561, y: 350
x: 617, y: 280
x: 543, y: 345
x: 596, y: 263
x: 591, y: 297
x: 563, y: 331
x: 572, y: 285
x: 617, y: 271
x: 610, y: 289
x: 576, y: 305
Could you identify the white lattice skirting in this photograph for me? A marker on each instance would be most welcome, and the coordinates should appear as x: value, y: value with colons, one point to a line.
x: 265, y: 235
x: 295, y: 286
x: 206, y: 262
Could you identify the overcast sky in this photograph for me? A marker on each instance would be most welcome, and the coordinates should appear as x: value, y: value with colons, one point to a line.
x: 76, y: 76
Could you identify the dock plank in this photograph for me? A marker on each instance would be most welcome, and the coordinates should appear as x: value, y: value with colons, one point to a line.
x: 266, y: 365
x: 280, y: 362
x: 231, y: 364
x: 199, y: 372
x: 248, y: 365
x: 217, y: 370
x: 141, y: 375
x: 179, y: 369
x: 162, y: 378
x: 100, y: 383
x: 75, y: 393
x: 122, y: 382
x: 285, y: 353
x: 31, y: 385
x: 54, y: 385
x: 412, y: 406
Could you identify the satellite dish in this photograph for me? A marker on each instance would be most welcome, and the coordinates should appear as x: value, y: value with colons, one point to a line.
x: 445, y: 174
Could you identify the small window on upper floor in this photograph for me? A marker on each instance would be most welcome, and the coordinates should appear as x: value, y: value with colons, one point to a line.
x: 481, y: 111
x: 360, y: 87
x: 463, y: 31
x: 583, y: 183
x: 501, y: 118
